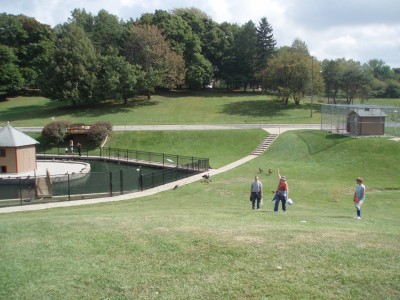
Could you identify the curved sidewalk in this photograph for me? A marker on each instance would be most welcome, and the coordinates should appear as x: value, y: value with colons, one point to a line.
x: 275, y: 130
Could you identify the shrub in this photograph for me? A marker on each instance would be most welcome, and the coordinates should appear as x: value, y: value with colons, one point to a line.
x: 56, y: 131
x: 107, y: 125
x: 99, y: 131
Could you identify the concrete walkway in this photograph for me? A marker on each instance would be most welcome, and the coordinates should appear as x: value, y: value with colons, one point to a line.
x: 276, y: 129
x: 272, y: 128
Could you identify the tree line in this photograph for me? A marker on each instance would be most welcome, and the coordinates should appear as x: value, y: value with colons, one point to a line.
x: 92, y: 58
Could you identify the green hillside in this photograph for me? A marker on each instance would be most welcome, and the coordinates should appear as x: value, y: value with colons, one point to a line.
x: 203, y: 241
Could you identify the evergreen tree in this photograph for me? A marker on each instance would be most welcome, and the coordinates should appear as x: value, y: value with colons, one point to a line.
x: 265, y: 43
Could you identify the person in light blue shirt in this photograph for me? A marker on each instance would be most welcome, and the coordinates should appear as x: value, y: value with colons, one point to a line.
x: 256, y: 193
x: 359, y: 196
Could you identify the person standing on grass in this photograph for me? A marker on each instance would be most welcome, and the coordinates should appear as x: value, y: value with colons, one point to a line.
x: 282, y: 193
x: 256, y: 193
x: 359, y: 196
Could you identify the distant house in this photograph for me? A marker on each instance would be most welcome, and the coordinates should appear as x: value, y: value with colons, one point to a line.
x: 17, y: 151
x: 367, y: 121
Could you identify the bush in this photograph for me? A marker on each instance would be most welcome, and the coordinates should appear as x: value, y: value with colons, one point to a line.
x: 56, y: 131
x: 107, y: 125
x: 99, y: 131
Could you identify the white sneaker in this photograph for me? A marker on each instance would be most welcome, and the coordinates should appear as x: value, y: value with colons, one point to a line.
x: 358, y: 218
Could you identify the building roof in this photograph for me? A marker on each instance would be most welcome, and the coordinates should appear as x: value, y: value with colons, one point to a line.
x: 11, y: 137
x: 370, y: 112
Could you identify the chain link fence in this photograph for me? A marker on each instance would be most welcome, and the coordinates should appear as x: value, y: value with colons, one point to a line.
x: 361, y: 120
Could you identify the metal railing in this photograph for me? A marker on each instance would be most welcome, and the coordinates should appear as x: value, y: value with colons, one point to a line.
x: 126, y: 155
x: 168, y: 168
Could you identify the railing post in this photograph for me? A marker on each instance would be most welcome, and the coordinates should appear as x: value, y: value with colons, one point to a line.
x: 111, y: 184
x: 121, y: 180
x: 20, y: 189
x: 141, y: 180
x: 163, y: 176
x: 69, y: 189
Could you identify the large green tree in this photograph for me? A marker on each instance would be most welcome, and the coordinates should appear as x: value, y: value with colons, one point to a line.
x: 293, y: 73
x: 118, y: 78
x: 331, y: 76
x: 227, y: 68
x: 31, y: 42
x: 146, y: 46
x: 213, y: 39
x: 72, y: 75
x: 355, y: 80
x: 185, y: 42
x: 245, y: 54
x: 11, y: 80
x: 106, y: 31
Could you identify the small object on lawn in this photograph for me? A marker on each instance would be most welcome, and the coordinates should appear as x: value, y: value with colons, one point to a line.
x: 175, y: 187
x: 206, y: 177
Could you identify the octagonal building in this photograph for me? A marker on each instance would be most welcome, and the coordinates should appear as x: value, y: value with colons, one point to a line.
x: 17, y: 151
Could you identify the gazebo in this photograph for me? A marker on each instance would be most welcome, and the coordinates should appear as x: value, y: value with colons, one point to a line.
x: 17, y: 151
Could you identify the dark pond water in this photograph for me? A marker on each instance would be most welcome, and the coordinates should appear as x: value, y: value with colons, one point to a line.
x: 109, y: 178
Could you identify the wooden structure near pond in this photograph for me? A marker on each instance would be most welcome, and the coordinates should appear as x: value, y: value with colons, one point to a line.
x: 78, y: 129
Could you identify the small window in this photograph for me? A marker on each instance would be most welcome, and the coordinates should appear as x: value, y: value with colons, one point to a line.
x: 3, y: 169
x: 2, y: 152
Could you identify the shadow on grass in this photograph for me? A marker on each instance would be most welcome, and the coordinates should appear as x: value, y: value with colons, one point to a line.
x: 58, y: 109
x: 335, y: 136
x: 340, y: 217
x: 207, y: 93
x: 258, y: 108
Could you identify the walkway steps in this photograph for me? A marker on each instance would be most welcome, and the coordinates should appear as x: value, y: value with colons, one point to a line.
x: 264, y: 144
x: 43, y: 188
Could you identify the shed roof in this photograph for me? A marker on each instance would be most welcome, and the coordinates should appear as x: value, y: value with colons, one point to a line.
x: 11, y: 137
x: 370, y: 112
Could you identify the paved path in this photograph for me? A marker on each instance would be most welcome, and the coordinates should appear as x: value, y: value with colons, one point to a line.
x: 276, y: 129
x: 272, y: 128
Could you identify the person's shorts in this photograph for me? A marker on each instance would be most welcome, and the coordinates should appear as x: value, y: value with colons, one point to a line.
x: 358, y: 204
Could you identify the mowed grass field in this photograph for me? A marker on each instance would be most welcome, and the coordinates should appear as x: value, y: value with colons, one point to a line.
x: 180, y: 107
x: 203, y: 241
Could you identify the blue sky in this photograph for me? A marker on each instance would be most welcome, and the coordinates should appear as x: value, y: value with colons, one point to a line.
x: 353, y: 29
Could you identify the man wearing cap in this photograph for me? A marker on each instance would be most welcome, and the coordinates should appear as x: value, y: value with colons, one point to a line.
x: 282, y: 192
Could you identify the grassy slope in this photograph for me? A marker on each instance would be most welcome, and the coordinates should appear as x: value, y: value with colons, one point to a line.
x: 221, y: 146
x: 203, y: 107
x: 176, y: 108
x: 202, y: 241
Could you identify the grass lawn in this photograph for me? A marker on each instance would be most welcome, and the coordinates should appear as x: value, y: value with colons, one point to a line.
x: 205, y: 107
x: 220, y: 146
x: 180, y: 107
x: 202, y: 241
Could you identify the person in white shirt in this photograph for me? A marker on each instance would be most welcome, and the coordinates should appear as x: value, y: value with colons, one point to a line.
x: 256, y: 193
